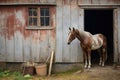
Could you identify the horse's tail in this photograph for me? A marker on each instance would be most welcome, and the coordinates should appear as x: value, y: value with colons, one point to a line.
x: 105, y: 49
x: 106, y: 53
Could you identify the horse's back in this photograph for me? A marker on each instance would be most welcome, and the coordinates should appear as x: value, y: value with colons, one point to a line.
x: 97, y: 41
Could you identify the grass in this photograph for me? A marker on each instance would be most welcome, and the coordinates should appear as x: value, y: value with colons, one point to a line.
x: 8, y: 75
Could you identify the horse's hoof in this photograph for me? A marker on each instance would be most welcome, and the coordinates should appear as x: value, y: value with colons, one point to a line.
x: 85, y: 67
x: 89, y: 67
x: 103, y: 65
x: 100, y: 64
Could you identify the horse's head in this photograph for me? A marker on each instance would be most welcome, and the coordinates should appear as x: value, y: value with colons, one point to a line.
x: 71, y: 35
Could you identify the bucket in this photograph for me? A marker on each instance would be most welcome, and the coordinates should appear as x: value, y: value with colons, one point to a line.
x: 41, y: 69
x: 28, y: 70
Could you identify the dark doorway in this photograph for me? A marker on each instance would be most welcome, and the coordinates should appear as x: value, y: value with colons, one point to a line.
x: 100, y: 21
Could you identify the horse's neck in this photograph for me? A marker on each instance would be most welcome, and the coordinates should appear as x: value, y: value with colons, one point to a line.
x: 82, y: 35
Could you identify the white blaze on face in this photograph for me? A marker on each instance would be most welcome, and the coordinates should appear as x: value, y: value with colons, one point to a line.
x: 68, y: 37
x: 97, y: 42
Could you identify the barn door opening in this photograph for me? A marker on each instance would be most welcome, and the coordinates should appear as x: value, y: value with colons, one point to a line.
x: 100, y: 21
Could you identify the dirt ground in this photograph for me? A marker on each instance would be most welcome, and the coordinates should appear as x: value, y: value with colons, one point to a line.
x: 95, y: 73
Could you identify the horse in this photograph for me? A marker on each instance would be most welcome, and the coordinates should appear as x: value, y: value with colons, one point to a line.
x: 88, y: 43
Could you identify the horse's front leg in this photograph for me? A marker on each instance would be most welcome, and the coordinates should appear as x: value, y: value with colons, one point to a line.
x: 85, y: 58
x: 89, y: 59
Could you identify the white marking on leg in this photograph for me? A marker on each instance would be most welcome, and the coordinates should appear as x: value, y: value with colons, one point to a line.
x: 100, y: 63
x: 85, y: 64
x: 89, y: 65
x: 103, y: 64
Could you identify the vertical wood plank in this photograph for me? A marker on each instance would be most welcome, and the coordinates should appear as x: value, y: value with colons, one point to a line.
x: 74, y: 23
x: 51, y: 1
x: 10, y: 35
x: 81, y: 26
x: 27, y: 40
x: 2, y: 47
x: 66, y: 24
x: 87, y: 1
x: 115, y: 35
x: 44, y: 49
x: 119, y: 34
x: 18, y: 47
x: 18, y: 34
x: 95, y: 1
x: 111, y: 1
x: 104, y: 2
x: 35, y: 45
x: 59, y: 31
x: 27, y: 46
x: 2, y: 35
x: 26, y: 49
x: 80, y: 2
x: 81, y: 18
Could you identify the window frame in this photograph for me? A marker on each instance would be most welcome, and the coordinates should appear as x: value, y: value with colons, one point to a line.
x: 38, y: 17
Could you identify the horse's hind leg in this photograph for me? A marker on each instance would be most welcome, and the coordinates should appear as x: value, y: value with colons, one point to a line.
x: 103, y: 55
x: 99, y: 51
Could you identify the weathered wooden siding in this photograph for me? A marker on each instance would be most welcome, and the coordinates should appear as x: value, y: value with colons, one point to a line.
x: 18, y: 44
x: 118, y: 19
x: 102, y: 2
x: 68, y: 15
x: 71, y: 14
x: 27, y: 1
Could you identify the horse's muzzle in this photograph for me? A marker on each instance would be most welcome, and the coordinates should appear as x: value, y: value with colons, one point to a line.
x: 68, y: 43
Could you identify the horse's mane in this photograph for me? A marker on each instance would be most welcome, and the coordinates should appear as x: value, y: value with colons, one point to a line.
x: 83, y: 33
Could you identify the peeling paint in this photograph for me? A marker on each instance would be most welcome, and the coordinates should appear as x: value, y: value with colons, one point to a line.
x: 20, y: 17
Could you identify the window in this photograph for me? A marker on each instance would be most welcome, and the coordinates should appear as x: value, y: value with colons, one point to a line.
x: 39, y: 17
x: 44, y: 17
x: 33, y: 16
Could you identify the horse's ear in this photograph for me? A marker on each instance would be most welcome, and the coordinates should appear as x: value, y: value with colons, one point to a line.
x: 69, y: 28
x: 73, y: 29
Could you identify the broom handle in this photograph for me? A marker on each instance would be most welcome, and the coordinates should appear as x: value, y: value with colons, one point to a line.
x: 51, y: 61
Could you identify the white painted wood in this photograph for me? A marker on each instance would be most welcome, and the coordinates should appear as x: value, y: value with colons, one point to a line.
x: 81, y: 26
x: 66, y: 24
x: 51, y: 1
x: 18, y: 41
x: 104, y: 2
x: 2, y: 48
x: 95, y: 1
x: 86, y: 1
x: 59, y: 31
x: 74, y: 23
x: 44, y: 50
x: 26, y: 50
x: 34, y: 46
x: 10, y: 50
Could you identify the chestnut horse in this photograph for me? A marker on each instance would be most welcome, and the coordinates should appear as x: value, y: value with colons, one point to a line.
x: 88, y: 43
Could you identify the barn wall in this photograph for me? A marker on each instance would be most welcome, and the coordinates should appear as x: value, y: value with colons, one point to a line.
x: 68, y: 15
x: 102, y: 2
x: 18, y: 44
x: 118, y: 60
x: 28, y: 1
